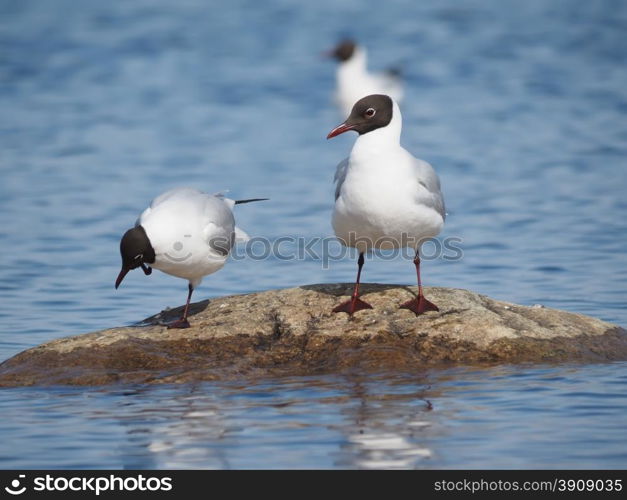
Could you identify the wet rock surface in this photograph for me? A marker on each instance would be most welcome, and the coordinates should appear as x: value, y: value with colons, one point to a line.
x: 293, y: 331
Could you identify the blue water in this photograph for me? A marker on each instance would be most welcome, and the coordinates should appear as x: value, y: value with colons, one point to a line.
x: 520, y: 106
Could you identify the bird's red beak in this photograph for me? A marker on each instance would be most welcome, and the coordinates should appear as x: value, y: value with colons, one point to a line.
x: 340, y: 129
x: 123, y: 273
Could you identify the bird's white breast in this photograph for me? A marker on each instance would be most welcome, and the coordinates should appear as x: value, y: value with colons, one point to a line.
x: 379, y: 204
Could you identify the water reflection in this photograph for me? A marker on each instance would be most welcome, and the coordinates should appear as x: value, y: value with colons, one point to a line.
x: 386, y: 428
x: 188, y: 430
x: 511, y: 417
x: 373, y: 422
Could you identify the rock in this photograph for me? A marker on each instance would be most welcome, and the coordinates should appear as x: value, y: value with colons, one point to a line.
x: 293, y: 331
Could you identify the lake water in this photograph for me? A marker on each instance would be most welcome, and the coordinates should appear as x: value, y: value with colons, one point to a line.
x: 520, y: 107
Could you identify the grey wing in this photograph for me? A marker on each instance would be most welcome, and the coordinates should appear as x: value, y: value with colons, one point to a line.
x: 340, y: 175
x: 428, y: 179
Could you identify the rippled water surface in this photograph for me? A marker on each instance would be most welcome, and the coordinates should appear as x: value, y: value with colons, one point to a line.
x: 464, y: 418
x: 520, y: 106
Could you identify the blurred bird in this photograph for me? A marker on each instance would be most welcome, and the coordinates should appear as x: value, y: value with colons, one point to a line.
x: 184, y: 232
x: 385, y: 198
x: 353, y: 81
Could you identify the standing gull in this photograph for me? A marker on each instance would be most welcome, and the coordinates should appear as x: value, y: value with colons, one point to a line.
x: 385, y: 198
x: 184, y: 232
x: 354, y: 81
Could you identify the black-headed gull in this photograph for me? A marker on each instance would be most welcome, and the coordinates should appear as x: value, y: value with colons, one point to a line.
x: 384, y: 197
x: 184, y: 232
x: 353, y: 81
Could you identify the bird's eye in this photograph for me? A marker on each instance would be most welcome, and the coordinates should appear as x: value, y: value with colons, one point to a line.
x: 370, y: 112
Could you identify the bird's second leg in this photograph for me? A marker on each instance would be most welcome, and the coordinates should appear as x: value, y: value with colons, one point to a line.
x: 419, y: 304
x: 354, y: 304
x: 183, y: 323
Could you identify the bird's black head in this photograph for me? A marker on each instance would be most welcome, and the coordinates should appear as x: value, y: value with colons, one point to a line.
x: 368, y: 114
x: 136, y: 251
x: 344, y: 50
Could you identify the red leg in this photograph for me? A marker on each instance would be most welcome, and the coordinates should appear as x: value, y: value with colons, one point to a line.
x: 183, y: 323
x: 354, y: 304
x: 419, y: 305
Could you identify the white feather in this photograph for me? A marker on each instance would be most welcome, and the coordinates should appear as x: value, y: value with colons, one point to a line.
x: 386, y: 198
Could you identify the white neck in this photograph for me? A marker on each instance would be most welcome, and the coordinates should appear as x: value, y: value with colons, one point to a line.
x: 352, y: 67
x: 379, y: 140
